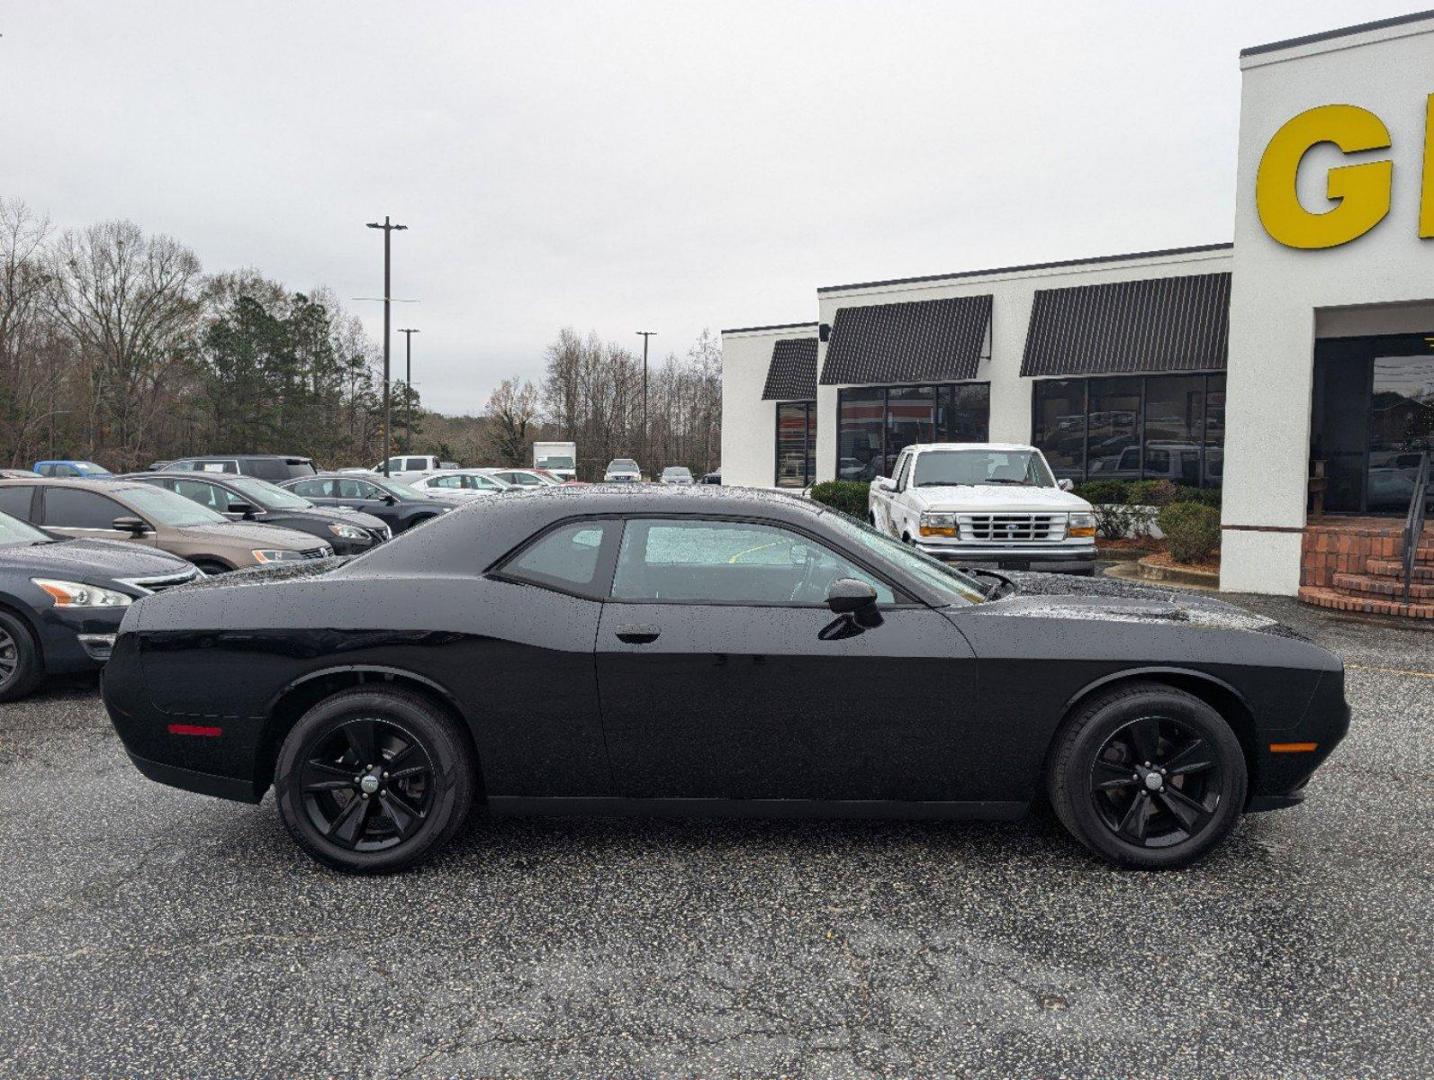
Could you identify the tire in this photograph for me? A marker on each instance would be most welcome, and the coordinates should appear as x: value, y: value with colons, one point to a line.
x: 21, y: 668
x: 327, y: 808
x: 213, y: 566
x: 1107, y: 799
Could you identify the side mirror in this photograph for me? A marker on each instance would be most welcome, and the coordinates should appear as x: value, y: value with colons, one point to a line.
x: 848, y: 596
x: 886, y: 483
x: 135, y: 526
x: 389, y: 500
x: 242, y: 508
x: 1065, y: 485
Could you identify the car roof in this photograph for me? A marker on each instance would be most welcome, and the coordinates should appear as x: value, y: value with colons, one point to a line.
x: 108, y: 487
x: 920, y: 447
x: 243, y: 457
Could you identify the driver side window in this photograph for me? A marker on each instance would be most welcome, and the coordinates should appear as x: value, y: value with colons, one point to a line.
x: 696, y: 561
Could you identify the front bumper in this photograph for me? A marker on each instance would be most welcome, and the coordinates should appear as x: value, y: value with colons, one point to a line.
x: 1052, y: 557
x: 78, y: 639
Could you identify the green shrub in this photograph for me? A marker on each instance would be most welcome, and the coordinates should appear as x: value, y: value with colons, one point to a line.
x: 1104, y: 492
x: 1152, y: 493
x: 1203, y: 496
x: 1192, y: 531
x: 849, y: 496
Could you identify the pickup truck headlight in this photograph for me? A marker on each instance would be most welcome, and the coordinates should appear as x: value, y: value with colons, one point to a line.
x: 267, y: 555
x: 1081, y: 525
x: 75, y: 594
x: 348, y: 532
x: 936, y: 524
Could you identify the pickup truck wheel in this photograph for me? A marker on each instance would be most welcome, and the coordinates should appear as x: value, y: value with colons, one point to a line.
x: 1147, y: 776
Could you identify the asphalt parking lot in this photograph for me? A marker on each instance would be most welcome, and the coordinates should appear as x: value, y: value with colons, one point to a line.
x: 149, y: 932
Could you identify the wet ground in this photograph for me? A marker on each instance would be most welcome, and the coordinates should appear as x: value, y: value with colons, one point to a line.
x: 149, y: 932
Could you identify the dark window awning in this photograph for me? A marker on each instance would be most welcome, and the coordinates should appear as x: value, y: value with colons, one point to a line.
x: 792, y: 374
x: 1159, y: 324
x: 921, y: 341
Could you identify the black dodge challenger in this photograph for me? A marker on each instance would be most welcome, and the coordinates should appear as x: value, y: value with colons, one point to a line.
x: 710, y: 650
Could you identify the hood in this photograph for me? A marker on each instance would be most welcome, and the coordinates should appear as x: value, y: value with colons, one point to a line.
x: 252, y: 534
x: 272, y: 572
x: 92, y: 561
x: 1059, y: 596
x: 325, y: 515
x: 999, y: 498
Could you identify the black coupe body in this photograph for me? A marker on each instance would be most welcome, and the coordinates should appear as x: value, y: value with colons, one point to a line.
x: 710, y: 650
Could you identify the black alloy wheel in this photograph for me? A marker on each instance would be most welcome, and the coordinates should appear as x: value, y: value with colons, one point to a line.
x: 374, y: 780
x: 1147, y: 776
x: 1155, y: 782
x: 20, y: 666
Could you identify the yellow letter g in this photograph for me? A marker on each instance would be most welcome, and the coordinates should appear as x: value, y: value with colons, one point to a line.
x: 1360, y: 193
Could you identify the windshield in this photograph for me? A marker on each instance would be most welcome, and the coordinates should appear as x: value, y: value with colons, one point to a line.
x: 555, y: 461
x: 950, y: 584
x: 163, y: 507
x: 14, y: 532
x: 954, y: 468
x: 622, y: 464
x: 399, y: 488
x: 268, y: 496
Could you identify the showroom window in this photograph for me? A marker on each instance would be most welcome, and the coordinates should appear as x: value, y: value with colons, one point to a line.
x: 797, y: 444
x: 876, y: 423
x: 1153, y: 427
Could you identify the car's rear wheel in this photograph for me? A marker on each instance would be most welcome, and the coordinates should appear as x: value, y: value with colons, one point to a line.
x: 20, y: 667
x: 373, y: 781
x: 1148, y: 776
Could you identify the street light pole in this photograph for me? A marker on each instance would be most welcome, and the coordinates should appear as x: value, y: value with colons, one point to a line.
x: 646, y: 447
x: 388, y: 230
x: 407, y: 389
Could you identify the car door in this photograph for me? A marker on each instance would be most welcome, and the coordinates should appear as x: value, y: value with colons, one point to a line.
x: 722, y: 673
x: 883, y: 498
x: 80, y: 514
x: 368, y: 498
x: 320, y: 491
x: 482, y: 485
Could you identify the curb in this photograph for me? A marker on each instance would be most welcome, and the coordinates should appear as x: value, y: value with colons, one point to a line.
x: 1203, y: 579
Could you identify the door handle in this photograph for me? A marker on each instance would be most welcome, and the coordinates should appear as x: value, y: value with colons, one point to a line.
x: 638, y: 633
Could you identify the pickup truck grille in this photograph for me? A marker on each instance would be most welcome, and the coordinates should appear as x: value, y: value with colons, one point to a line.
x: 1012, y: 528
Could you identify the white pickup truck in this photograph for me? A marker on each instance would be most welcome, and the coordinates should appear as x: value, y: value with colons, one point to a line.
x: 985, y: 504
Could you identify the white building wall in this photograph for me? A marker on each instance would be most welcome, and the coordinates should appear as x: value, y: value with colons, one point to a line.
x: 749, y: 424
x: 1277, y: 291
x: 1012, y: 297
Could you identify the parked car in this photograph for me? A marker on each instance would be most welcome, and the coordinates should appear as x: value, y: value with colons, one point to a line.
x: 247, y: 498
x: 558, y: 458
x: 407, y: 468
x: 18, y: 474
x: 622, y: 470
x: 854, y: 676
x: 78, y: 469
x: 462, y: 484
x: 396, y: 504
x: 61, y: 601
x: 144, y: 514
x: 525, y: 478
x: 676, y: 476
x: 714, y: 477
x: 275, y: 468
x: 980, y: 504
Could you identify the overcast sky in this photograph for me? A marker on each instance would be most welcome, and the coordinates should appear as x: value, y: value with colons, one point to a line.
x: 630, y: 166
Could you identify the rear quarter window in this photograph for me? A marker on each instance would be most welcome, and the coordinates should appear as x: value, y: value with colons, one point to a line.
x: 15, y: 501
x: 568, y: 559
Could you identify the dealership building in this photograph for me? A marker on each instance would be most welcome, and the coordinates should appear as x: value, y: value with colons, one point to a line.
x: 1293, y: 367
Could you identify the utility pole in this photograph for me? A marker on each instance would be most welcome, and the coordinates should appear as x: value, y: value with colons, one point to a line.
x: 388, y: 230
x: 646, y: 448
x: 407, y: 389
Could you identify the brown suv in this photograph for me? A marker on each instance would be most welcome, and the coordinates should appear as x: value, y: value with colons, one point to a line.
x: 117, y: 510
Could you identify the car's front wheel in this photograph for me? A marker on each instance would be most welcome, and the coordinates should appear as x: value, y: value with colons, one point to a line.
x: 20, y: 667
x: 1147, y: 776
x: 373, y: 781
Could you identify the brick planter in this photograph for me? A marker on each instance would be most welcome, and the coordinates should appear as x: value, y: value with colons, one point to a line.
x: 1356, y: 565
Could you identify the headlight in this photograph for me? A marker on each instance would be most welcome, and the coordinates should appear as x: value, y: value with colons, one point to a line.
x: 267, y: 556
x: 76, y: 594
x: 348, y: 532
x: 1081, y: 525
x: 938, y: 524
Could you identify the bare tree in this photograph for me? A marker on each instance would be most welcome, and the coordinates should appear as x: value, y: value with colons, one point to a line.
x: 511, y: 416
x: 130, y: 303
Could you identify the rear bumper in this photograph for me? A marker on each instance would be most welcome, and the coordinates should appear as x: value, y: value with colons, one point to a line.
x: 1014, y: 556
x: 221, y: 787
